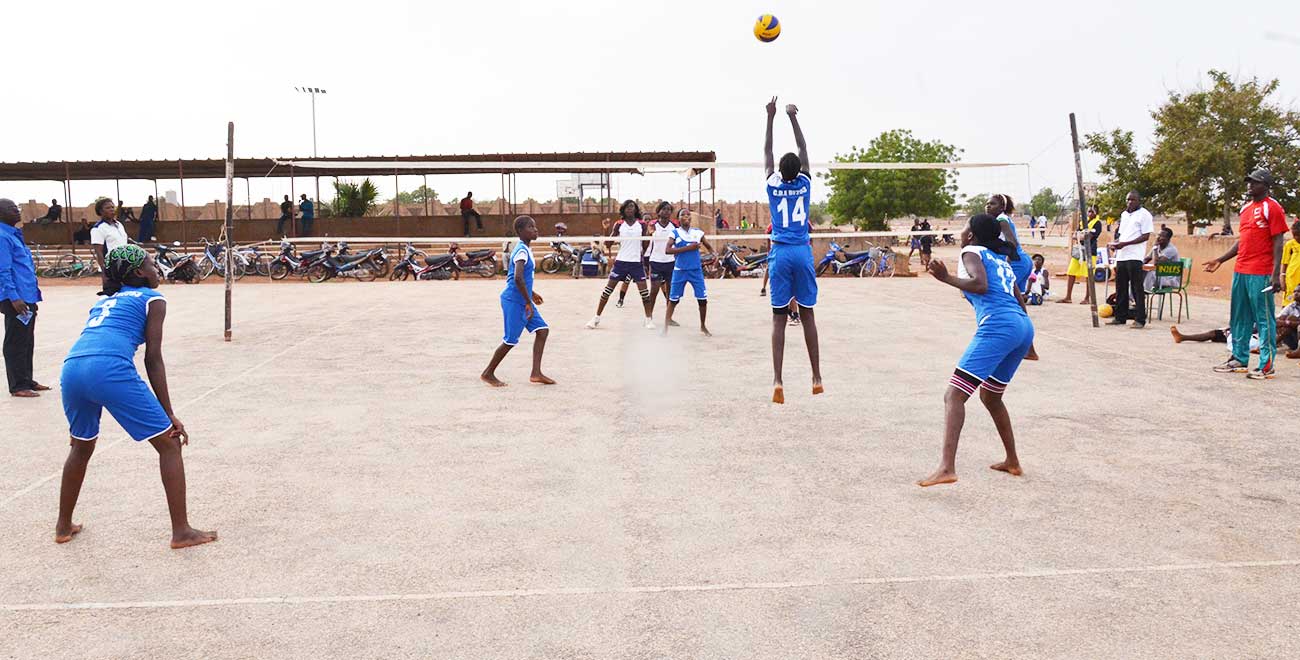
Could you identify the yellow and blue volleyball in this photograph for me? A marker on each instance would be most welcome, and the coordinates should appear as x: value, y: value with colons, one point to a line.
x: 767, y: 28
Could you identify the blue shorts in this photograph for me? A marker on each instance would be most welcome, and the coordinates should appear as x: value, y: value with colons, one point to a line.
x: 513, y: 312
x: 628, y: 270
x: 994, y: 354
x: 791, y: 275
x: 680, y: 277
x: 1023, y: 269
x: 95, y: 382
x: 661, y: 271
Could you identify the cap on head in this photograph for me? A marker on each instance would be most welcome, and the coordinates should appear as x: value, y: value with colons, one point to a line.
x: 1261, y: 175
x: 789, y: 167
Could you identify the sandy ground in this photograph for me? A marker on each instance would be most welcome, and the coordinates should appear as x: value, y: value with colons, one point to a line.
x: 375, y: 500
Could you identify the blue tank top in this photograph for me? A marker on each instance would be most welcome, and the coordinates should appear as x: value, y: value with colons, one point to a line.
x: 116, y: 325
x: 521, y: 254
x: 789, y: 203
x: 682, y: 238
x: 999, y: 301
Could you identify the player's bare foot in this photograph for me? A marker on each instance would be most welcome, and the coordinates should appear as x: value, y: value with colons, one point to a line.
x: 939, y: 477
x: 1292, y: 355
x: 541, y: 379
x: 1032, y: 354
x: 492, y: 380
x: 1064, y: 301
x: 1086, y: 302
x: 778, y: 394
x: 63, y: 536
x: 1010, y: 468
x: 1178, y: 336
x: 705, y: 332
x: 192, y: 537
x: 818, y: 388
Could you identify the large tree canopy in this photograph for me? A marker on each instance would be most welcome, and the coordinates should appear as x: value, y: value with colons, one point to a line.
x: 868, y: 198
x: 1205, y: 143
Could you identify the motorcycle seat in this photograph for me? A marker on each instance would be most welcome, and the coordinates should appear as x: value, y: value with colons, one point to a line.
x: 854, y: 255
x: 439, y: 260
x: 478, y: 254
x: 313, y: 253
x: 755, y: 258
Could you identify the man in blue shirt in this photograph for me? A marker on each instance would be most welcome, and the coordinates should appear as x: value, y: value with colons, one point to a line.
x: 308, y: 215
x: 148, y: 214
x: 18, y: 297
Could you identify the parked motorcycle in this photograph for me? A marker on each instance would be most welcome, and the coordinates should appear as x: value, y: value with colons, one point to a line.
x: 174, y: 266
x: 479, y: 262
x: 288, y: 263
x: 740, y: 261
x: 842, y: 262
x: 420, y: 266
x: 357, y: 266
x: 378, y: 258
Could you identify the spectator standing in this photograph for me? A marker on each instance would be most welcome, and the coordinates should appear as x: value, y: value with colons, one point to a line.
x: 148, y: 214
x: 19, y: 296
x: 286, y: 215
x: 52, y: 215
x: 1129, y: 247
x: 1084, y: 248
x: 718, y: 222
x: 1042, y: 226
x: 1258, y: 251
x: 467, y: 211
x: 107, y: 234
x: 927, y: 243
x: 1291, y: 259
x: 1164, y: 252
x: 1033, y: 226
x: 308, y: 214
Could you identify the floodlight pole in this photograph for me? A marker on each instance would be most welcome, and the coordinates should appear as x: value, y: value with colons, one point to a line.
x: 313, y: 91
x: 230, y: 218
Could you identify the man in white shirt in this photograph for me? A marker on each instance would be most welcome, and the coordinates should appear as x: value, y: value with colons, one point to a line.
x: 1130, y: 246
x: 107, y: 234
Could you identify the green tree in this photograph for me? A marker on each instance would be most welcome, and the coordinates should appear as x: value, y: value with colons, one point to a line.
x: 1205, y: 142
x: 417, y: 196
x: 1045, y: 202
x: 869, y: 198
x: 1121, y: 170
x: 974, y: 204
x: 353, y: 200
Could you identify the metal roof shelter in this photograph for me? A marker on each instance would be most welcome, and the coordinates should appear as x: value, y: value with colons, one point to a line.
x: 337, y: 166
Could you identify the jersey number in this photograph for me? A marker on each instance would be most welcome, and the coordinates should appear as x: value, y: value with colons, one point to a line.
x: 1007, y: 276
x: 800, y: 215
x: 104, y: 311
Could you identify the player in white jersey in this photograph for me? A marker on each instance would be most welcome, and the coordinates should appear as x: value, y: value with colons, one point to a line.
x: 627, y: 264
x: 790, y: 261
x: 659, y: 261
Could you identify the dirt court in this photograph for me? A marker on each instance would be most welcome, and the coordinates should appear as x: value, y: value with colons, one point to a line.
x: 374, y: 499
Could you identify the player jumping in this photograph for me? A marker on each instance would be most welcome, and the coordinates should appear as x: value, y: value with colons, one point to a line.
x: 1003, y: 336
x: 99, y: 373
x: 627, y: 263
x: 519, y: 307
x: 790, y: 262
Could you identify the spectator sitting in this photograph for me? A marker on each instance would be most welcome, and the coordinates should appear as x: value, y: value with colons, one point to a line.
x: 125, y: 213
x: 1288, y: 320
x: 51, y: 215
x: 82, y: 236
x: 467, y: 211
x: 1164, y: 252
x: 1039, y: 282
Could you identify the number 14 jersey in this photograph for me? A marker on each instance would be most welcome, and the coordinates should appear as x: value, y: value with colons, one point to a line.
x: 789, y: 202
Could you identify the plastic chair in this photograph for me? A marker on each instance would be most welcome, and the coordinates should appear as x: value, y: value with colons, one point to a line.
x: 1182, y: 269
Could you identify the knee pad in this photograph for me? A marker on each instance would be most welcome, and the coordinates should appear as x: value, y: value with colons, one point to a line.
x: 609, y: 291
x: 645, y: 293
x: 781, y: 311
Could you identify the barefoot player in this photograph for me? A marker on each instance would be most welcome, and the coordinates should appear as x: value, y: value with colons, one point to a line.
x: 519, y: 307
x: 685, y: 245
x: 790, y: 262
x: 99, y: 373
x: 1003, y: 336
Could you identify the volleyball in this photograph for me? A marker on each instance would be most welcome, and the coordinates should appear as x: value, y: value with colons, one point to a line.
x: 1105, y: 311
x: 767, y: 28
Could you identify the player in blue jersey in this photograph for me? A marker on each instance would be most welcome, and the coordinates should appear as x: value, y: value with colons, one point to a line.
x: 99, y: 373
x: 685, y: 243
x: 792, y: 278
x: 519, y: 307
x: 1001, y: 207
x: 1003, y: 335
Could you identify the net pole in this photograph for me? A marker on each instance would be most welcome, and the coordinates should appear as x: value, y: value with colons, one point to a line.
x: 1083, y: 213
x: 230, y: 219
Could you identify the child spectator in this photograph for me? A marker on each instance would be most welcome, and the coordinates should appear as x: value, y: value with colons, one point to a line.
x: 1039, y: 281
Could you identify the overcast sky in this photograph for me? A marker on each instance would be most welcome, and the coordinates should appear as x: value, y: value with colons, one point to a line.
x: 142, y: 79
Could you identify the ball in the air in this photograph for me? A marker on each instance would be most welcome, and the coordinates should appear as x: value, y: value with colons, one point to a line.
x: 1105, y: 311
x: 767, y: 28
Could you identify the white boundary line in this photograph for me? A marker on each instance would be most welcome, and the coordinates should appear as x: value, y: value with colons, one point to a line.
x: 632, y: 590
x: 46, y: 479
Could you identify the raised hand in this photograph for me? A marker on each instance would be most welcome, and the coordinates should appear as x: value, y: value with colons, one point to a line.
x: 771, y: 107
x: 791, y: 109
